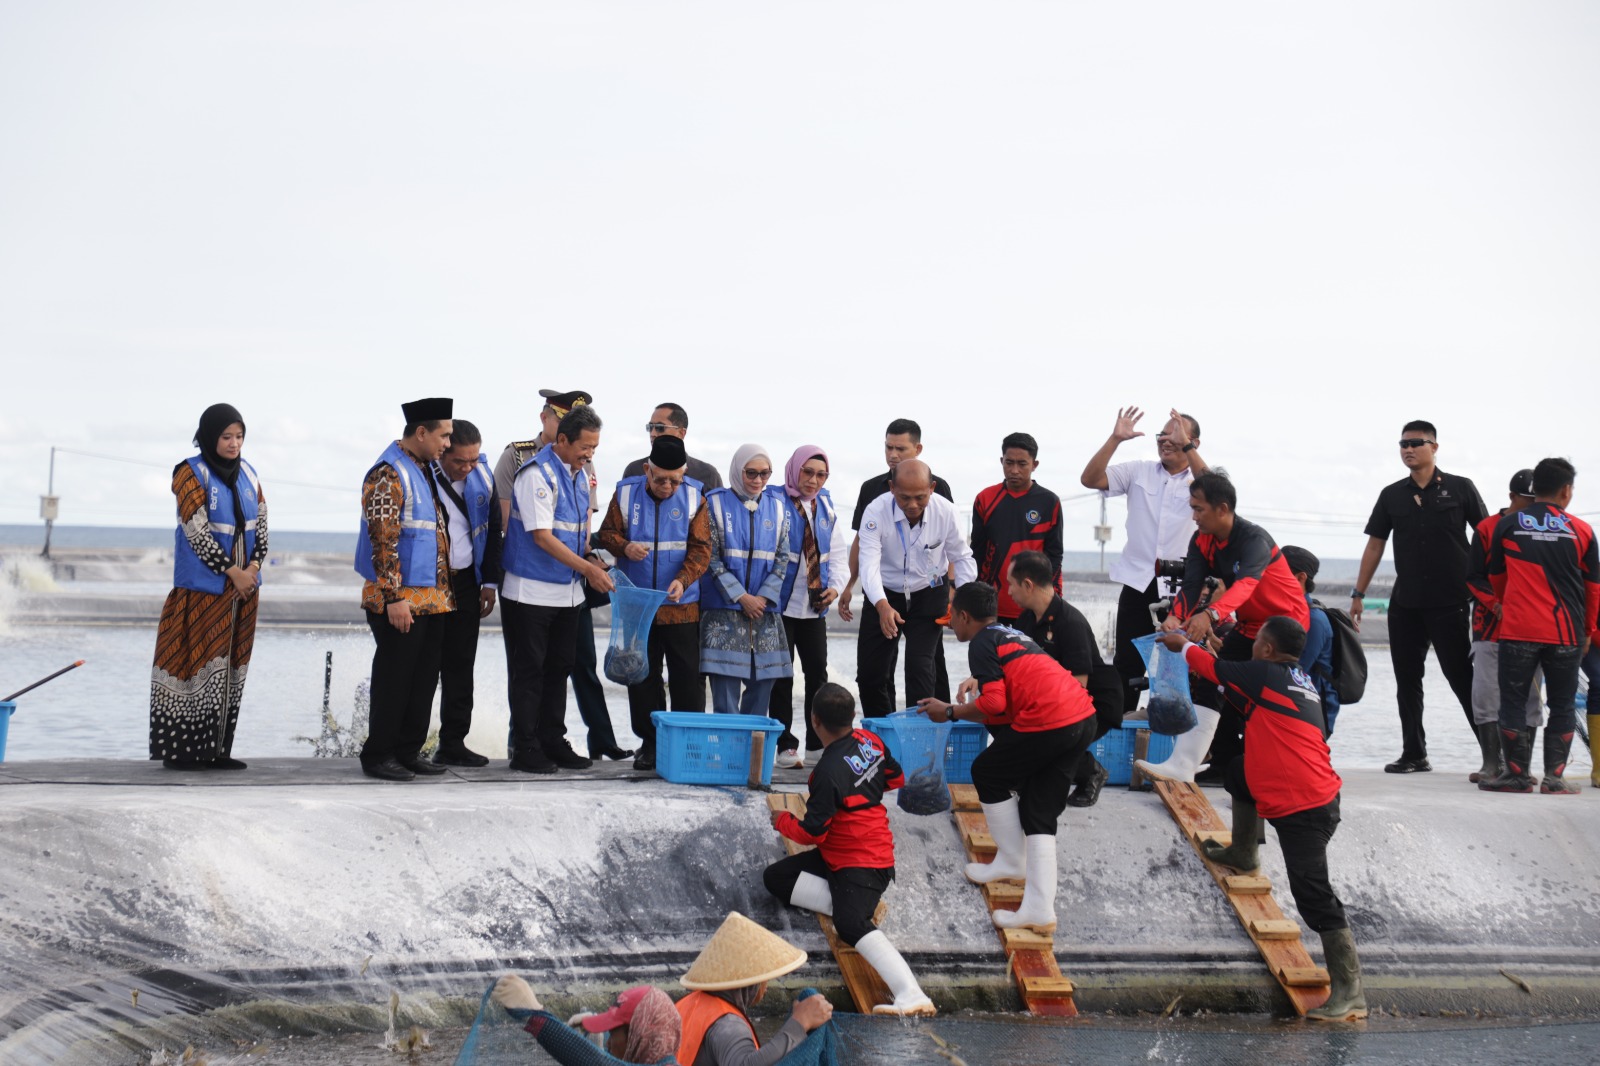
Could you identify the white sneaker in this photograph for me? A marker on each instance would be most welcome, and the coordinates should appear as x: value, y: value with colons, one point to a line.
x: 790, y: 759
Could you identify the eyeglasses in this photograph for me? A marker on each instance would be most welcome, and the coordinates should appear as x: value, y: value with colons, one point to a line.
x: 820, y: 475
x: 1414, y: 442
x: 757, y: 475
x: 654, y: 428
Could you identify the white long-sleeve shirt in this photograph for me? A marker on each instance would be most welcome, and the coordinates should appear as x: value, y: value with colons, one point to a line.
x: 799, y: 605
x: 895, y: 556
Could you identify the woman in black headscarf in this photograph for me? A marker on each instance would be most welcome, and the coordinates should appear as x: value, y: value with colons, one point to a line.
x: 209, y: 622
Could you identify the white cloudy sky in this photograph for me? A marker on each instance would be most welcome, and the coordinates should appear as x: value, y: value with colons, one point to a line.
x: 1304, y: 223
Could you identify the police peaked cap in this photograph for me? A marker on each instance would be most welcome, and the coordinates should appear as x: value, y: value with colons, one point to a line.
x: 566, y: 400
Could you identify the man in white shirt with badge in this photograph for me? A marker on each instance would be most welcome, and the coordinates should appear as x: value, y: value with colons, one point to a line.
x: 1159, y: 522
x: 909, y: 539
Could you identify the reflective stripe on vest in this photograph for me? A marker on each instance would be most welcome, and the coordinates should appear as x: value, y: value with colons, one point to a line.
x: 750, y: 563
x: 418, y: 547
x: 646, y: 520
x: 824, y: 519
x: 188, y: 572
x: 570, y: 493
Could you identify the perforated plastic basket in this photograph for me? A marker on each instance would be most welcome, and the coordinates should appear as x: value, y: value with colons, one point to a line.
x: 1115, y: 751
x: 694, y: 748
x: 967, y: 739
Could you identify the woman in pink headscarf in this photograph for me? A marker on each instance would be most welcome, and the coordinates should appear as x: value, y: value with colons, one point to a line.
x: 643, y: 1026
x: 818, y: 569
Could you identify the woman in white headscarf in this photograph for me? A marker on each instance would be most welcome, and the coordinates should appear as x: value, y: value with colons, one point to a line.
x: 742, y: 640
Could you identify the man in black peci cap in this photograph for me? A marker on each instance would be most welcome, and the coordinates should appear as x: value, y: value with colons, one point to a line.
x: 404, y: 554
x: 585, y: 677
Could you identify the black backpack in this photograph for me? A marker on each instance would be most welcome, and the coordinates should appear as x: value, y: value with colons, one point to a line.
x: 1349, y: 677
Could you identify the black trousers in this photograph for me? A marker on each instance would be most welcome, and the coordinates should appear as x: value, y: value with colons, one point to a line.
x: 587, y: 689
x: 1036, y: 766
x: 1133, y: 620
x: 875, y: 653
x: 1228, y: 744
x: 678, y: 646
x: 458, y: 655
x: 405, y: 675
x: 856, y: 889
x: 540, y: 644
x: 1106, y: 689
x: 1411, y: 631
x: 1304, y: 837
x: 808, y: 637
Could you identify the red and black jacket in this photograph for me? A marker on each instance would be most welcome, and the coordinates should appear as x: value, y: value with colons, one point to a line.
x: 1260, y: 584
x: 845, y: 818
x: 1005, y: 524
x: 1286, y: 761
x: 1021, y: 685
x: 1485, y: 616
x: 1545, y: 568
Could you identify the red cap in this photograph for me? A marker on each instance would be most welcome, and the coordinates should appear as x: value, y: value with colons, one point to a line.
x: 621, y: 1014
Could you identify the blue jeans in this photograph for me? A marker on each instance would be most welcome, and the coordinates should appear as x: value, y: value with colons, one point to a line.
x: 1591, y: 670
x: 725, y: 698
x: 1519, y: 660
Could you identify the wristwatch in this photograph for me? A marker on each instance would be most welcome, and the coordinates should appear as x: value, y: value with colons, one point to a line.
x: 1357, y: 594
x: 1214, y: 615
x: 1191, y: 446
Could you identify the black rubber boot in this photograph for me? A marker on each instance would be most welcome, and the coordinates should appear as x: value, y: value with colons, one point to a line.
x: 1346, y: 1001
x: 1489, y: 745
x: 1556, y: 748
x: 1517, y: 747
x: 1244, y: 853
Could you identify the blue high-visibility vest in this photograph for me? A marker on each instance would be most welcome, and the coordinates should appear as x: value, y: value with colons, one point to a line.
x: 478, y: 492
x: 188, y: 572
x: 570, y: 491
x: 823, y: 519
x: 664, y: 526
x: 419, y: 524
x: 749, y: 542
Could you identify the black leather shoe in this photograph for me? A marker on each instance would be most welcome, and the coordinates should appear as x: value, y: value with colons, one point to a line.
x: 568, y: 759
x: 422, y: 767
x: 614, y: 753
x: 1088, y: 793
x: 1408, y: 766
x: 459, y: 755
x: 185, y: 764
x: 645, y: 760
x: 533, y: 764
x: 226, y: 763
x: 388, y: 770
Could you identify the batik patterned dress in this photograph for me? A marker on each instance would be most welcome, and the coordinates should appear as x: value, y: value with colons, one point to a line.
x: 203, y: 643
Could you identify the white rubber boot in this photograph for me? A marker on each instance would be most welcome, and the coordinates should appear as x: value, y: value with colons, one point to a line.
x: 1005, y: 826
x: 1187, y: 750
x: 908, y: 995
x: 1038, y: 909
x: 812, y: 893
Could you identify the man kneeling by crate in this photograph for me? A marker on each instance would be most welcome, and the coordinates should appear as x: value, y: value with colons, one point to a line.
x: 1052, y: 724
x: 1286, y: 774
x: 853, y: 863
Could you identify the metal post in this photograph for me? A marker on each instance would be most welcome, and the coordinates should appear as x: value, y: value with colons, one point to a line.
x: 1102, y: 533
x: 48, y: 504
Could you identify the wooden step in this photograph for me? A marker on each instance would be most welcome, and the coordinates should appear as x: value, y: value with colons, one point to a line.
x: 965, y: 798
x: 1216, y: 836
x: 1247, y: 884
x: 1049, y: 987
x: 1274, y: 929
x: 1303, y: 976
x: 1003, y: 892
x: 979, y: 842
x: 1027, y: 938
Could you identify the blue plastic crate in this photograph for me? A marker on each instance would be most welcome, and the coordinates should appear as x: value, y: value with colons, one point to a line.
x: 967, y: 739
x: 696, y: 748
x: 1115, y: 751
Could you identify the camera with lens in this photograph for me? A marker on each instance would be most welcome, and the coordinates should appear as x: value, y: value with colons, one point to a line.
x: 1172, y: 568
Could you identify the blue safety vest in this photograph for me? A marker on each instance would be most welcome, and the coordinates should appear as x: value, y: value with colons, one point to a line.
x: 188, y: 572
x: 662, y: 524
x: 478, y: 492
x: 551, y: 478
x: 419, y: 524
x: 824, y: 519
x: 749, y: 542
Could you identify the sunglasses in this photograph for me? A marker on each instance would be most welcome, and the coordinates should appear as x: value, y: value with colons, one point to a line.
x: 1414, y: 442
x: 808, y: 472
x: 654, y: 428
x: 757, y: 475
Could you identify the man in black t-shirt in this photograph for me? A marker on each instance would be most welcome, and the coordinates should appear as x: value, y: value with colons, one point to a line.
x: 1432, y: 515
x: 901, y: 440
x: 1062, y: 631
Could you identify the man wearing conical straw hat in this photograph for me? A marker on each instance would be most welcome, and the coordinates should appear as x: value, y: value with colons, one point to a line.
x: 728, y: 978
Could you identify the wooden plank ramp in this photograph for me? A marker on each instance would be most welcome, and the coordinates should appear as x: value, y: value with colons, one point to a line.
x: 867, y: 989
x: 1030, y: 956
x: 1277, y: 938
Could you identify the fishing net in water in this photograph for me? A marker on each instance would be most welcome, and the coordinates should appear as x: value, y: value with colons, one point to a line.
x: 497, y: 1039
x: 632, y: 610
x: 1171, y: 710
x: 920, y: 749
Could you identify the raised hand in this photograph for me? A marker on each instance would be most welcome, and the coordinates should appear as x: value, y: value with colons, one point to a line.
x: 1127, y: 420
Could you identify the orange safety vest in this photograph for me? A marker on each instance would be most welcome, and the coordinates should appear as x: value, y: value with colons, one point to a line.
x: 700, y: 1011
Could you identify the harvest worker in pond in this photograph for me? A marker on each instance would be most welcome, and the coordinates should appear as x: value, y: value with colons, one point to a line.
x: 1024, y: 777
x: 853, y: 863
x: 1286, y: 776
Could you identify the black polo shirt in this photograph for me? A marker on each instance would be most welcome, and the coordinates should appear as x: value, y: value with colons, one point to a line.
x: 876, y: 486
x: 1065, y: 634
x: 1430, y: 526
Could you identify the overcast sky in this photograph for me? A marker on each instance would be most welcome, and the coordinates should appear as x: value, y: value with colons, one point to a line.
x: 1306, y: 224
